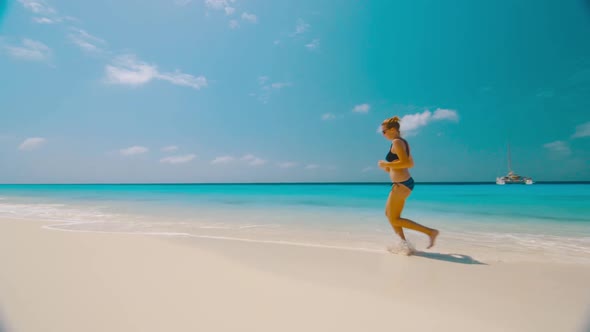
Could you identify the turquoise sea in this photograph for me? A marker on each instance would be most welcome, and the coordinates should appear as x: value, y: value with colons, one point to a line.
x: 541, y: 222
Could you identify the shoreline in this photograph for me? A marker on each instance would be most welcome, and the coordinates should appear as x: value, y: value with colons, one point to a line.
x: 489, y: 246
x: 62, y: 281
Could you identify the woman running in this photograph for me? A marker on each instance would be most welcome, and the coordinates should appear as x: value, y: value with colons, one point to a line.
x: 397, y: 165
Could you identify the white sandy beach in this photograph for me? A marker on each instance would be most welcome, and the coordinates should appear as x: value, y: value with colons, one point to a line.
x: 54, y: 281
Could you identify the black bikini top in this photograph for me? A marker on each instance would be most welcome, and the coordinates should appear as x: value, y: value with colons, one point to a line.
x: 393, y: 156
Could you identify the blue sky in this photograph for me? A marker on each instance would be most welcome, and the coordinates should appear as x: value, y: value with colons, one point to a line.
x: 252, y: 90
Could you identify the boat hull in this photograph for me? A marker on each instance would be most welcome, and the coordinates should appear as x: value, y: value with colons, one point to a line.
x: 504, y: 181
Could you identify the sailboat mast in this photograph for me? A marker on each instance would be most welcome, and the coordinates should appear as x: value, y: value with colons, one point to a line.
x: 509, y: 159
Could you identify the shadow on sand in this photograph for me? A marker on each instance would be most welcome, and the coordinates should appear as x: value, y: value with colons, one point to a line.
x: 3, y: 322
x: 452, y: 258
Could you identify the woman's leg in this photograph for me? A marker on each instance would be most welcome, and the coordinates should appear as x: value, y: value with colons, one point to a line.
x: 395, y: 204
x: 397, y: 229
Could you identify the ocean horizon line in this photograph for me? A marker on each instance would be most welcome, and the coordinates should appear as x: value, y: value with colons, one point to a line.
x: 277, y: 183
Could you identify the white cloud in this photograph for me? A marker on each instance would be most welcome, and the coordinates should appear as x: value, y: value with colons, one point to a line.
x: 249, y: 17
x: 301, y: 27
x: 582, y: 130
x: 362, y: 108
x: 86, y: 41
x: 328, y: 116
x: 128, y: 70
x: 267, y: 89
x: 170, y: 148
x: 32, y: 143
x: 45, y: 20
x: 178, y: 159
x: 412, y: 122
x: 311, y: 166
x: 234, y: 24
x: 445, y: 114
x: 262, y: 79
x: 253, y: 160
x: 367, y: 169
x: 182, y: 79
x: 45, y: 13
x: 287, y: 164
x: 276, y: 42
x: 71, y: 19
x: 223, y: 160
x: 559, y: 147
x: 30, y: 50
x: 216, y: 4
x: 38, y: 7
x: 314, y: 44
x: 280, y: 85
x: 133, y: 150
x: 257, y: 162
x: 249, y: 159
x: 224, y: 5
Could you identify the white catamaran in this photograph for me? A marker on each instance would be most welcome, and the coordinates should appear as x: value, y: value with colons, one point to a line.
x: 511, y: 177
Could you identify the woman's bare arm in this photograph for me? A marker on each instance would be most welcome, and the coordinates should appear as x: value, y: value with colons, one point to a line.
x: 404, y: 160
